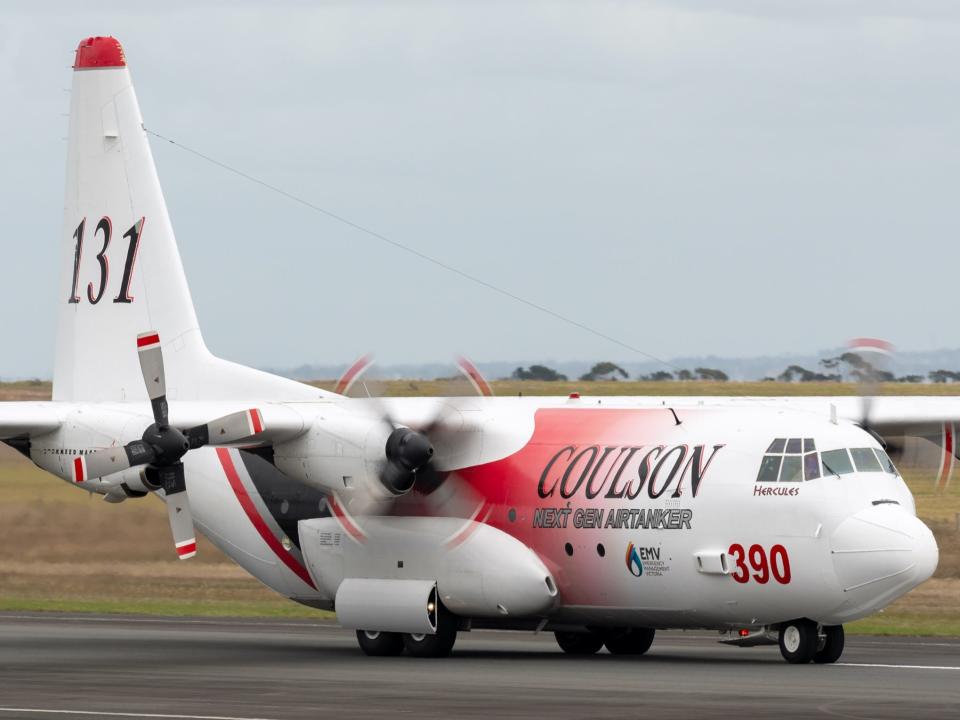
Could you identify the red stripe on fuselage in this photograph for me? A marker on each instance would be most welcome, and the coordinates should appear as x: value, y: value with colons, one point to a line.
x: 250, y: 509
x: 78, y: 470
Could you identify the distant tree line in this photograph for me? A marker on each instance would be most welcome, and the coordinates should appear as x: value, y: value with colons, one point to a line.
x: 858, y: 369
x: 609, y: 371
x: 848, y: 365
x: 537, y: 372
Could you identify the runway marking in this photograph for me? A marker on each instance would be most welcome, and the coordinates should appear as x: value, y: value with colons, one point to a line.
x: 906, y: 644
x: 900, y: 667
x: 103, y: 713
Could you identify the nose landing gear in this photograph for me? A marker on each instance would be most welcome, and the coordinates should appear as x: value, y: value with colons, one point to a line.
x: 831, y: 644
x: 803, y: 641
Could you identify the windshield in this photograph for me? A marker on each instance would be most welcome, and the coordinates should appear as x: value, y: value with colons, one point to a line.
x: 797, y: 460
x: 837, y: 462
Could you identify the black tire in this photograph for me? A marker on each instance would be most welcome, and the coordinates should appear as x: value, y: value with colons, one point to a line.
x: 798, y: 641
x: 832, y: 645
x: 634, y: 641
x: 437, y: 645
x: 579, y: 643
x: 380, y: 644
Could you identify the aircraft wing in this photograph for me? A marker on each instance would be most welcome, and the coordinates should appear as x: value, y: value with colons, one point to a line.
x: 28, y: 419
x: 897, y: 415
x: 902, y: 412
x: 278, y: 422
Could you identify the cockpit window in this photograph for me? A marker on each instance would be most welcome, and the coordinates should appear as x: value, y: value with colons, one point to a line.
x: 769, y: 468
x: 777, y: 445
x: 784, y: 461
x: 885, y: 461
x: 790, y: 471
x: 811, y: 466
x: 836, y: 462
x: 865, y: 460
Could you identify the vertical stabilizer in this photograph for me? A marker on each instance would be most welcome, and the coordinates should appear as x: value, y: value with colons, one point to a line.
x: 120, y: 270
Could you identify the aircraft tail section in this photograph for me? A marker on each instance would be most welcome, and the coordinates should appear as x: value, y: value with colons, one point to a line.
x: 120, y: 270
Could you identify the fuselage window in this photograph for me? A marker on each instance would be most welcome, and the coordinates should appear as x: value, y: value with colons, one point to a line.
x: 790, y: 471
x: 865, y: 460
x: 769, y: 468
x: 836, y: 462
x: 811, y: 466
x: 777, y: 445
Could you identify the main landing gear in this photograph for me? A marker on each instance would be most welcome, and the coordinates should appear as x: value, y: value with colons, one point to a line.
x: 803, y: 641
x: 391, y: 644
x: 619, y: 641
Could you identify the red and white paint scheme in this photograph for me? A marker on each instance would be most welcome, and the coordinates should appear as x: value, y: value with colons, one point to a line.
x: 600, y: 519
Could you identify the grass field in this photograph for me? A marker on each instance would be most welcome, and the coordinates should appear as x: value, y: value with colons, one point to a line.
x: 75, y: 552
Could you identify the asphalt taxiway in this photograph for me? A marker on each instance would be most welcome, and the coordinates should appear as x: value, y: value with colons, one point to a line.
x: 62, y: 666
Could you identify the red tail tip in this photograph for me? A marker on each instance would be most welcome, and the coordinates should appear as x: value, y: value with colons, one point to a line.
x: 98, y: 52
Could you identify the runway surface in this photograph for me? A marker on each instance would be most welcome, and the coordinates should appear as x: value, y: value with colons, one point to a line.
x: 56, y: 666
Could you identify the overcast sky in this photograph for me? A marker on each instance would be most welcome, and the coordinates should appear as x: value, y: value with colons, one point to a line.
x: 732, y: 177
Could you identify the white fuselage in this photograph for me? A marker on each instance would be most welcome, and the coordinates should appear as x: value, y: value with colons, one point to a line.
x: 637, y: 519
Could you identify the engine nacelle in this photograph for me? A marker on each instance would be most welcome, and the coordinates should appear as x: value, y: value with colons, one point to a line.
x: 388, y: 605
x: 342, y: 453
x: 478, y: 570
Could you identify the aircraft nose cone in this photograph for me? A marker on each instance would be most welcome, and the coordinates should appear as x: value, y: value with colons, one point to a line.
x: 881, y: 553
x: 927, y: 554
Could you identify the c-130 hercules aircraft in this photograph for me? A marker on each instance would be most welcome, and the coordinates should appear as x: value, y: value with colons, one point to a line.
x: 772, y: 520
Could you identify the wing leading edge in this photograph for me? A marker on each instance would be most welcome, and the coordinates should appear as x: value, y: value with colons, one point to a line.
x: 29, y: 419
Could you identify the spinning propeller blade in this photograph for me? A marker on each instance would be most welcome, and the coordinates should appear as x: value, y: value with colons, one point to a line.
x: 870, y: 361
x: 408, y: 458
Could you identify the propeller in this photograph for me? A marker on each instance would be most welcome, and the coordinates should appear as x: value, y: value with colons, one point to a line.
x: 162, y: 447
x: 869, y: 361
x: 409, y: 451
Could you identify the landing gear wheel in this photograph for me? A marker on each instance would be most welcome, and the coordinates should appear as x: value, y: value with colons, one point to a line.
x: 635, y: 641
x: 798, y: 641
x: 579, y: 643
x: 832, y: 648
x: 380, y: 644
x: 434, y: 646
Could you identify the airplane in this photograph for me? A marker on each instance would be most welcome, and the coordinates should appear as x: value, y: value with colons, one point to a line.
x: 601, y: 520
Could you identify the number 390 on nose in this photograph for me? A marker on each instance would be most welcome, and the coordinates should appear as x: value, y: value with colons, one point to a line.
x: 764, y: 565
